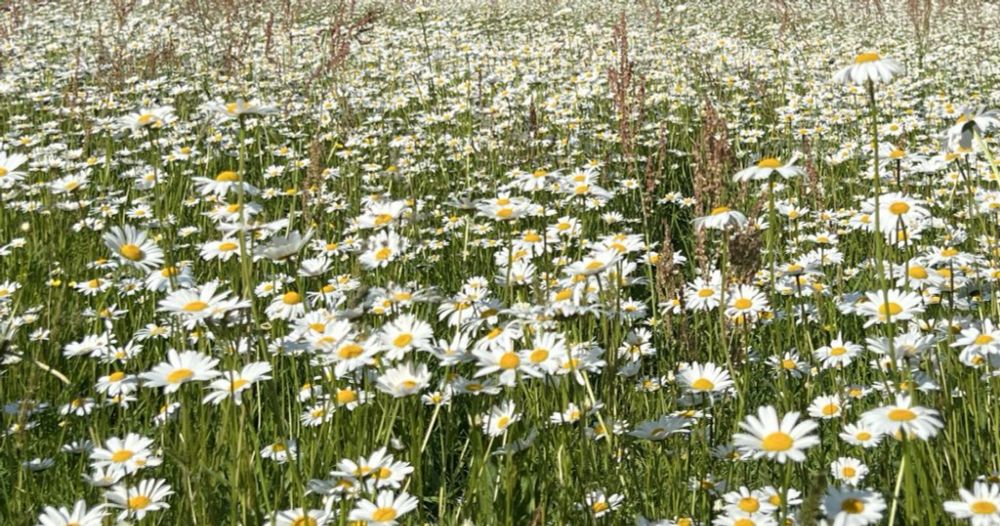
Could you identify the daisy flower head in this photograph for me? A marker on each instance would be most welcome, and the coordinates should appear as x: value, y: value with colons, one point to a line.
x: 136, y: 501
x: 768, y: 437
x: 133, y: 248
x: 902, y: 418
x: 853, y: 507
x: 890, y: 306
x: 720, y: 218
x: 980, y: 506
x: 869, y: 67
x: 80, y: 515
x: 179, y: 369
x: 387, y: 508
x: 768, y: 166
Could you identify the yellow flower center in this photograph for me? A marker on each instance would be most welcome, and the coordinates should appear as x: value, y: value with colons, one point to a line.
x: 777, y: 441
x: 346, y: 396
x: 599, y: 506
x: 852, y: 506
x: 351, y: 350
x: 702, y: 384
x: 227, y: 176
x: 719, y: 210
x: 179, y: 375
x: 383, y: 253
x: 503, y: 422
x: 769, y: 162
x: 742, y: 304
x: 704, y: 293
x: 848, y: 471
x: 384, y: 514
x: 983, y: 507
x: 863, y: 436
x: 195, y: 306
x: 291, y: 298
x: 3, y: 172
x: 227, y: 246
x: 749, y: 504
x: 138, y: 502
x: 838, y: 351
x: 130, y: 251
x: 899, y: 208
x: 304, y: 521
x: 121, y: 455
x: 539, y: 355
x: 403, y: 340
x: 890, y: 309
x: 830, y: 409
x: 238, y: 383
x: 864, y: 58
x: 788, y: 363
x: 901, y: 415
x: 984, y: 339
x: 509, y: 360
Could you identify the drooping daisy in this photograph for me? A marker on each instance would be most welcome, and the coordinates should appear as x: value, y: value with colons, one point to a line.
x: 869, y: 67
x: 660, y: 428
x: 766, y: 167
x: 781, y: 441
x: 599, y: 504
x: 9, y: 173
x: 720, y: 218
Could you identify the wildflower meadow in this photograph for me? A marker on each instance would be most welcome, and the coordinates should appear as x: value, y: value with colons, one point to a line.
x: 499, y: 262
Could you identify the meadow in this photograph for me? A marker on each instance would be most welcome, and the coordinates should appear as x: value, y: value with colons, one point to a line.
x: 476, y: 262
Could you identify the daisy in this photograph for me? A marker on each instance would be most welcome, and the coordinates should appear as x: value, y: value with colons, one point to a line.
x: 890, y: 306
x: 386, y: 509
x: 499, y: 418
x: 705, y: 379
x: 78, y: 516
x: 296, y: 517
x: 719, y: 218
x: 981, y: 506
x: 9, y: 173
x: 768, y: 166
x: 853, y: 507
x: 660, y: 428
x: 506, y: 361
x: 288, y: 306
x: 282, y: 247
x: 180, y: 368
x: 194, y: 306
x: 405, y: 334
x: 746, y: 301
x: 403, y: 380
x: 281, y: 451
x: 781, y: 441
x: 225, y: 181
x: 383, y: 248
x: 127, y: 455
x: 869, y: 67
x: 839, y: 353
x: 903, y: 419
x: 234, y: 383
x: 147, y: 117
x: 600, y: 504
x: 225, y: 111
x: 704, y: 294
x: 133, y: 248
x: 745, y: 502
x: 827, y: 407
x: 136, y: 501
x: 849, y: 470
